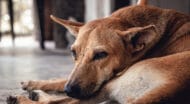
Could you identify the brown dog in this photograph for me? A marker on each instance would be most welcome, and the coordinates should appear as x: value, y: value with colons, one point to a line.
x: 124, y: 58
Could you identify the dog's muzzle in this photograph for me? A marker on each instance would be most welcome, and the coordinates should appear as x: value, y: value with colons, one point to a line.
x: 73, y: 90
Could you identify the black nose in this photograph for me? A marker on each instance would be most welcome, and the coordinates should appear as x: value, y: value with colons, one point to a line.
x: 72, y: 90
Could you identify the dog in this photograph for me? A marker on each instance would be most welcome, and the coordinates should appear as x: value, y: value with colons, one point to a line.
x: 138, y: 55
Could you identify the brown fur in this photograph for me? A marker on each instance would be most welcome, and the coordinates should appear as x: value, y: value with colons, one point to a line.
x: 127, y: 38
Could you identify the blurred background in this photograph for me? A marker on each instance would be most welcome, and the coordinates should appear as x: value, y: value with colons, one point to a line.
x: 33, y: 47
x: 29, y: 19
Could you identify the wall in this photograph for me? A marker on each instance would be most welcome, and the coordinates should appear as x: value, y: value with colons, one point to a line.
x: 98, y: 9
x: 179, y: 5
x: 102, y: 8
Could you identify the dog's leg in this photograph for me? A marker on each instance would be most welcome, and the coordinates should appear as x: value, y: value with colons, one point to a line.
x: 157, y: 94
x: 21, y: 100
x: 143, y: 90
x: 68, y: 100
x: 43, y: 99
x: 41, y: 96
x: 45, y: 85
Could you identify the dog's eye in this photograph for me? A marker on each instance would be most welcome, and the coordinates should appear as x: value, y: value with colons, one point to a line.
x: 74, y: 54
x: 100, y: 55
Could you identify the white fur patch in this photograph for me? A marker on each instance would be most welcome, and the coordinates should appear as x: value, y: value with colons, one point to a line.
x: 137, y: 81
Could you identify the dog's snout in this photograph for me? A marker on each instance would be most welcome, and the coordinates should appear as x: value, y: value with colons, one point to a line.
x: 72, y: 90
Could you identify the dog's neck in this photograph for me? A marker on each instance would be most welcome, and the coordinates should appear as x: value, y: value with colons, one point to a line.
x: 168, y: 25
x: 167, y: 22
x: 166, y: 45
x: 165, y: 40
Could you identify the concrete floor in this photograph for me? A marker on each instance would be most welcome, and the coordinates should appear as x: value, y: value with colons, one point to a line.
x: 21, y: 64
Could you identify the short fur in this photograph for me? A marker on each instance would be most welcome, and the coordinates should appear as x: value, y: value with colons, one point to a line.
x: 143, y: 58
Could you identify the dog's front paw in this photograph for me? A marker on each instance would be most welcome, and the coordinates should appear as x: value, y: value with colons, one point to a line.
x: 12, y: 100
x: 28, y: 85
x: 34, y: 95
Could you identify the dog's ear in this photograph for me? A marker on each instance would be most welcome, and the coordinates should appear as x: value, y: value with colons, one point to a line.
x: 73, y: 27
x: 140, y: 38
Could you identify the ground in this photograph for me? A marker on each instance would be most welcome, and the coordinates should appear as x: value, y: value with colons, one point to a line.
x: 21, y: 64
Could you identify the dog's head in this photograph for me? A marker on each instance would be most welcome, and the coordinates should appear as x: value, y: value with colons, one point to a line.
x: 102, y: 49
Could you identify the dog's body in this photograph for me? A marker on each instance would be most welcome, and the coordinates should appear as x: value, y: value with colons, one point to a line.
x: 124, y: 58
x: 154, y: 81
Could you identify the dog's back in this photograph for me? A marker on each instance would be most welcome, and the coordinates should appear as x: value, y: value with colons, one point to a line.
x: 158, y: 80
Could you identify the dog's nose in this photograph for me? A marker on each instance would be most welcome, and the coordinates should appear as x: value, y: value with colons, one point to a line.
x: 72, y: 90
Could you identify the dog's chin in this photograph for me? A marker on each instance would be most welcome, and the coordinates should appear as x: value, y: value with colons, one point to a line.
x: 81, y: 96
x: 85, y: 94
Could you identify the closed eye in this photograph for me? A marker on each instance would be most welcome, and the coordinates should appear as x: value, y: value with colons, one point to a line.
x: 99, y: 55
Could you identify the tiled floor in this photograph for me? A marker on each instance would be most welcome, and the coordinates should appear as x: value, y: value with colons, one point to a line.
x: 18, y: 64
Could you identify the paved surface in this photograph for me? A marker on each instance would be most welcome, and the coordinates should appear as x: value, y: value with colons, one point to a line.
x: 22, y: 64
